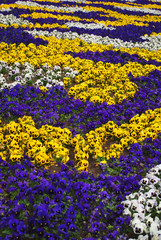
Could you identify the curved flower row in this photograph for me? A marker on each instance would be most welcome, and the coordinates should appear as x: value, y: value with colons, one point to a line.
x: 107, y: 56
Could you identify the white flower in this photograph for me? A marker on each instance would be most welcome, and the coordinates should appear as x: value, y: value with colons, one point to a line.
x: 151, y: 203
x: 139, y: 215
x: 127, y: 212
x: 46, y: 66
x: 126, y: 203
x: 49, y: 79
x: 132, y: 195
x: 134, y: 205
x: 27, y: 76
x: 141, y: 237
x: 154, y: 228
x: 5, y: 85
x: 48, y: 85
x: 17, y: 64
x: 139, y: 228
x: 152, y: 193
x: 158, y: 208
x: 2, y: 80
x: 10, y: 74
x: 38, y: 83
x: 142, y: 199
x: 144, y: 181
x: 149, y: 220
x: 153, y: 179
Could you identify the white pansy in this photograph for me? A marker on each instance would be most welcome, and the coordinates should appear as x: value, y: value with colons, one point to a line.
x: 49, y: 79
x: 132, y: 195
x: 158, y: 208
x: 2, y: 80
x: 149, y: 221
x: 46, y: 7
x: 3, y: 63
x: 139, y: 228
x: 155, y: 225
x: 5, y: 85
x: 142, y: 199
x: 136, y: 9
x: 17, y: 64
x: 153, y: 179
x: 127, y: 212
x: 139, y: 215
x: 152, y: 193
x: 48, y: 85
x: 61, y: 84
x: 88, y: 25
x: 11, y: 19
x: 151, y: 44
x: 28, y: 76
x: 28, y: 72
x: 141, y: 237
x: 38, y: 83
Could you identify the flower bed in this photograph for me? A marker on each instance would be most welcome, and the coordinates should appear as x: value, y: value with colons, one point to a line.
x: 80, y: 120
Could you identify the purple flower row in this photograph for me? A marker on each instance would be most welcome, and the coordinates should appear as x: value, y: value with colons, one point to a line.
x: 36, y: 203
x: 12, y: 35
x: 89, y: 15
x: 57, y: 108
x: 112, y: 57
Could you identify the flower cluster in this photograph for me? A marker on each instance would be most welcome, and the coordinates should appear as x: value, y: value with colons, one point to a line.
x: 80, y: 120
x: 144, y: 206
x: 26, y: 74
x: 69, y: 204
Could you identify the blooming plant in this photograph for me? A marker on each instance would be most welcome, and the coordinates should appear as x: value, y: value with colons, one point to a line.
x: 80, y: 120
x: 144, y: 206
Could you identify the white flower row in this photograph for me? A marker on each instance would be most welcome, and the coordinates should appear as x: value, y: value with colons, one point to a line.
x: 66, y: 9
x: 11, y: 19
x: 144, y: 205
x: 153, y: 44
x: 5, y: 9
x: 45, y: 76
x: 88, y: 25
x: 135, y: 9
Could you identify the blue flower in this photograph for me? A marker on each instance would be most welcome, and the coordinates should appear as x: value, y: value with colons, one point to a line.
x: 21, y: 228
x: 104, y: 194
x: 120, y: 221
x: 62, y: 229
x: 72, y: 227
x: 119, y: 209
x: 40, y: 232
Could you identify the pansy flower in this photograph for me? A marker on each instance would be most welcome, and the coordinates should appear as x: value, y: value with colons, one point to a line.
x: 72, y: 227
x: 13, y: 223
x: 40, y: 232
x: 62, y: 228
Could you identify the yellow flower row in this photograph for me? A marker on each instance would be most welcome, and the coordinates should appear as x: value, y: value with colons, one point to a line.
x: 36, y: 25
x: 21, y: 6
x: 36, y: 15
x: 140, y: 127
x: 124, y: 19
x: 49, y: 144
x: 107, y: 3
x: 96, y: 82
x: 136, y: 5
x: 44, y: 145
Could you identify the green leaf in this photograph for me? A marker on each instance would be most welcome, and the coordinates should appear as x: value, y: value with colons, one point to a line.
x: 14, y: 194
x: 7, y: 231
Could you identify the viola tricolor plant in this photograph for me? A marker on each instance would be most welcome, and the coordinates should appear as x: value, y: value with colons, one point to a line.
x: 80, y: 120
